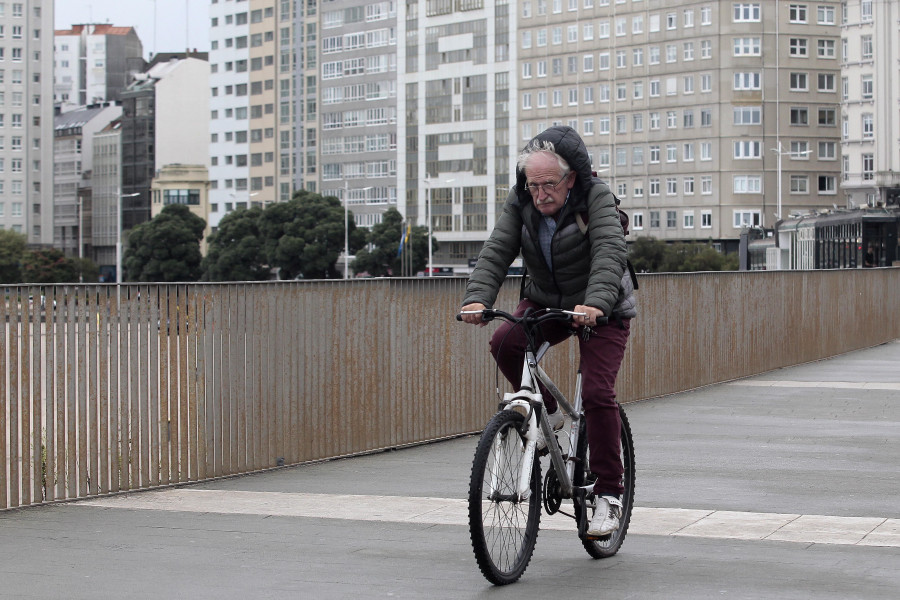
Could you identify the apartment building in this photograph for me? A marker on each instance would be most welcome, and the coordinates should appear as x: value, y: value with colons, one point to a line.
x: 26, y: 119
x: 73, y: 151
x: 870, y: 94
x: 93, y: 63
x: 456, y: 65
x: 357, y: 106
x: 705, y: 117
x: 164, y: 121
x: 251, y: 140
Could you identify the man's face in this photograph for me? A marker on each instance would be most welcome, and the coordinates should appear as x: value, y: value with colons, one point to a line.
x: 541, y: 175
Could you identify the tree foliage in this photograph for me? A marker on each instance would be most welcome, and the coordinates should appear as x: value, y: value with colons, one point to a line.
x: 12, y: 250
x: 382, y: 258
x: 235, y: 251
x: 304, y: 237
x: 48, y: 265
x: 166, y: 248
x: 649, y: 255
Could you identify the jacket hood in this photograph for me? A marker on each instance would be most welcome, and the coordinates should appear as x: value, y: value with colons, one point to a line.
x: 570, y: 146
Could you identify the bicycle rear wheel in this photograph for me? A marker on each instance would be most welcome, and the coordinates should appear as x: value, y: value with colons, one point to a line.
x: 608, y: 545
x: 502, y: 526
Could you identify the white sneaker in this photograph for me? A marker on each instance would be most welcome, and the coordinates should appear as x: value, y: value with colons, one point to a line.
x: 557, y: 419
x: 606, y: 517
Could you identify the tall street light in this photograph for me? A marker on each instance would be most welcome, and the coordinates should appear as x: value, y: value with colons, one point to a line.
x: 347, y: 226
x: 781, y: 152
x: 429, y: 215
x: 120, y: 197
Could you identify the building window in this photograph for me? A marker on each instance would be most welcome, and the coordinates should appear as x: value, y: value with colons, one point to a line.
x: 749, y: 46
x: 799, y: 47
x: 868, y: 161
x: 868, y: 87
x: 826, y: 82
x: 825, y: 15
x: 799, y: 115
x: 799, y: 184
x: 797, y: 13
x: 746, y: 218
x: 747, y: 184
x: 827, y: 184
x: 868, y: 125
x: 747, y: 149
x: 747, y: 115
x: 705, y: 219
x: 745, y: 12
x: 828, y: 117
x: 826, y: 49
x: 688, y: 219
x: 799, y: 82
x: 867, y: 47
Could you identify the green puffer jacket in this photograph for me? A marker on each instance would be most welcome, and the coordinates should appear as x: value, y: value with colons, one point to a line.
x: 588, y: 268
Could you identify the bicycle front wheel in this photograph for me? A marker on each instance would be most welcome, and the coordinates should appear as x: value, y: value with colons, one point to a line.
x: 606, y: 546
x: 503, y: 526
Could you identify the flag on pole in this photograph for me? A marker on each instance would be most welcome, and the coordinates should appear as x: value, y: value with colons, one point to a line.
x: 404, y: 239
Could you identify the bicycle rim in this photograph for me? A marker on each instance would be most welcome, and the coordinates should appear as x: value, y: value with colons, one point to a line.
x: 503, y: 528
x: 608, y: 545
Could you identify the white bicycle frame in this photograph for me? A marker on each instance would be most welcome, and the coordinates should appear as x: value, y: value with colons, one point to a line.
x: 525, y: 400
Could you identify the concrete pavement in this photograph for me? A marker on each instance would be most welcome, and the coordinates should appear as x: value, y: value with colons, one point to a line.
x: 778, y: 486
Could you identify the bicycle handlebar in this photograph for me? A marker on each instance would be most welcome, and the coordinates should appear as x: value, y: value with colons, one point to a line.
x: 530, y: 319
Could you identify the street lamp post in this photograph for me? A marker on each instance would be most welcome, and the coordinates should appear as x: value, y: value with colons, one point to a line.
x: 428, y: 194
x: 119, y: 198
x: 780, y: 151
x: 346, y: 230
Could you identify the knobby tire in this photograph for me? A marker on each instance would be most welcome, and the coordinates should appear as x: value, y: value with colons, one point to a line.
x: 609, y: 545
x: 503, y: 530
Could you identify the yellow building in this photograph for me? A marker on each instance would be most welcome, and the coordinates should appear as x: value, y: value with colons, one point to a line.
x: 183, y: 184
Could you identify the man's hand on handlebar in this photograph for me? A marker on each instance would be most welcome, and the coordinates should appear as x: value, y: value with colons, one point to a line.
x: 587, y: 316
x: 471, y: 313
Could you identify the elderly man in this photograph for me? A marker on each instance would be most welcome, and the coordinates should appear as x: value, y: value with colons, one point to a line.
x: 566, y: 226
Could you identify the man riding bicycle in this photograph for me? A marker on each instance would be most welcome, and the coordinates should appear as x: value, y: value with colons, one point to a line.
x: 566, y: 226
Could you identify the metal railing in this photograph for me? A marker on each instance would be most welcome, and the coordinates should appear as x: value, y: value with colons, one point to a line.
x: 112, y: 388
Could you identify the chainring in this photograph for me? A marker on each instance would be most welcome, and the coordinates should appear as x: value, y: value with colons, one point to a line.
x: 552, y: 492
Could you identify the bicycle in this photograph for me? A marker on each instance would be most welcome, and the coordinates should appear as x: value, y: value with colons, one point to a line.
x: 505, y: 489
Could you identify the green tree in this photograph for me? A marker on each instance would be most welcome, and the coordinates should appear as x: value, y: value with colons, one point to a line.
x: 304, y: 236
x: 649, y: 255
x: 12, y: 251
x: 235, y: 250
x: 87, y: 270
x: 48, y: 265
x: 381, y: 257
x: 166, y: 248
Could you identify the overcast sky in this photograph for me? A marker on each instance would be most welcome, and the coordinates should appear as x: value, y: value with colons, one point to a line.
x: 178, y: 24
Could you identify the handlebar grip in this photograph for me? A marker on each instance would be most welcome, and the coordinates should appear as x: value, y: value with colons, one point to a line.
x: 458, y: 317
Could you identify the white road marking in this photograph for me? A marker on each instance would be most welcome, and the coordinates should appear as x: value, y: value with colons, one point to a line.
x: 815, y: 529
x: 844, y: 385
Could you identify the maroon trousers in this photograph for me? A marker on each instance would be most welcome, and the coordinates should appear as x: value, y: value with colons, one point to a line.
x: 601, y: 356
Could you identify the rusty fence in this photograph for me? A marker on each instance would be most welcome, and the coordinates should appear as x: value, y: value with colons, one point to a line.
x: 111, y: 388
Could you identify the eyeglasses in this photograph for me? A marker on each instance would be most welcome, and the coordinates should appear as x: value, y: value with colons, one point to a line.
x: 548, y: 187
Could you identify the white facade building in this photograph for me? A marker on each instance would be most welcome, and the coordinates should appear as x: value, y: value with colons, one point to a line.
x: 182, y: 111
x: 93, y: 63
x: 870, y: 95
x: 26, y: 119
x: 229, y: 108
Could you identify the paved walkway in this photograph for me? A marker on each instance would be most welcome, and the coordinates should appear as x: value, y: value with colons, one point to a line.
x: 785, y: 485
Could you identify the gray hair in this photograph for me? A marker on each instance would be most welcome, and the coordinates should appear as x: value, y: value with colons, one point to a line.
x: 538, y: 146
